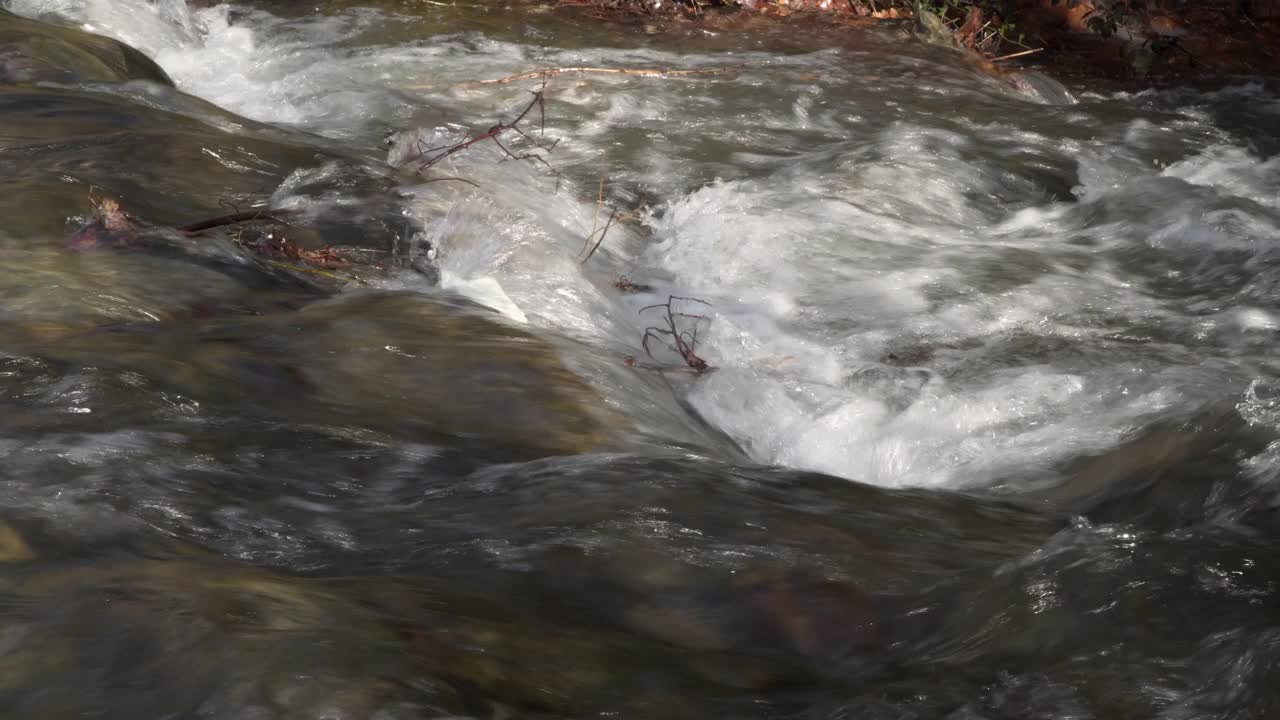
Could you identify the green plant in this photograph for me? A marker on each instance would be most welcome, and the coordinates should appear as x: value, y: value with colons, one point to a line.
x: 998, y: 31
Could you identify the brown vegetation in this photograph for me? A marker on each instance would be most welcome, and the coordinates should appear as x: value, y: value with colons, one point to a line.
x: 1151, y: 40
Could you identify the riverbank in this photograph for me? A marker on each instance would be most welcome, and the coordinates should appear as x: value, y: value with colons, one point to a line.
x: 1200, y: 44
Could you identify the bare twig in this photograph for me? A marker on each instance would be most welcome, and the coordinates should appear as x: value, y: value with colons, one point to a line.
x: 314, y: 271
x: 545, y: 73
x: 608, y: 224
x: 1011, y: 56
x: 269, y: 216
x: 682, y: 342
x: 431, y: 156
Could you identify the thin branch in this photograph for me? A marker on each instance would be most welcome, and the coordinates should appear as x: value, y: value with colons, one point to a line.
x: 1011, y: 56
x: 314, y: 271
x: 236, y: 218
x: 682, y: 342
x: 545, y: 73
x: 608, y: 224
x: 431, y: 156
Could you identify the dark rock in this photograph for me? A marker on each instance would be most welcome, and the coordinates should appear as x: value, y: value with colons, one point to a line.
x: 32, y: 51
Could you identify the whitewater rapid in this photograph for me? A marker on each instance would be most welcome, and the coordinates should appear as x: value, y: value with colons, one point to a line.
x: 915, y: 277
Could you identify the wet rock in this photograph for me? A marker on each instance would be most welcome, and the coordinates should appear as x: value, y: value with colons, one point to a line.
x: 348, y: 204
x: 66, y: 146
x: 400, y: 362
x: 790, y: 616
x: 50, y: 291
x: 887, y: 541
x: 154, y: 638
x: 1171, y: 474
x: 13, y: 549
x: 796, y: 626
x: 622, y: 647
x: 1041, y: 88
x: 32, y: 51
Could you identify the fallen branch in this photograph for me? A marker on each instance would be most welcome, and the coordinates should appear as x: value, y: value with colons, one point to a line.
x: 431, y: 156
x: 267, y: 216
x: 1011, y: 56
x: 545, y: 73
x: 608, y: 224
x: 682, y: 342
x: 314, y: 271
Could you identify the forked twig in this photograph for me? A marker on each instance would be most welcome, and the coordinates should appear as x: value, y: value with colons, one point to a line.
x: 682, y: 342
x: 429, y: 157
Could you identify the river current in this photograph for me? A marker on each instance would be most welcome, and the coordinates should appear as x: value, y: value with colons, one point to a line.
x: 988, y: 428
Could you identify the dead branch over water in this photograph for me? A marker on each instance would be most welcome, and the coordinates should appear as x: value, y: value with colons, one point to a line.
x: 275, y: 217
x: 545, y: 73
x: 428, y: 156
x: 682, y: 342
x: 276, y: 247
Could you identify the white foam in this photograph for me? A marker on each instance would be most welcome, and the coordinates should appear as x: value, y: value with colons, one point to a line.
x: 1234, y: 171
x: 892, y: 297
x: 1256, y: 319
x: 485, y: 290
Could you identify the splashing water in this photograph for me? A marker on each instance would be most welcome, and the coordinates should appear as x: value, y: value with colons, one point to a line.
x: 905, y: 273
x: 901, y: 295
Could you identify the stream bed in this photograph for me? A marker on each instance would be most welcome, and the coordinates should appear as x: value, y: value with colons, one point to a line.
x: 987, y: 427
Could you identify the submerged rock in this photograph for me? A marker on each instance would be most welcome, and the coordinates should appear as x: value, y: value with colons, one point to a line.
x: 48, y: 290
x: 1039, y: 87
x: 793, y: 619
x: 399, y: 362
x: 1171, y: 474
x: 32, y: 51
x: 170, y: 167
x: 589, y: 637
x: 205, y: 639
x: 13, y: 549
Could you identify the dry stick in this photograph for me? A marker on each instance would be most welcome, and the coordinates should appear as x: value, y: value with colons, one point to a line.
x: 551, y: 72
x: 595, y: 217
x: 431, y: 156
x: 314, y: 271
x: 1011, y: 56
x: 235, y: 218
x: 605, y: 231
x: 686, y: 349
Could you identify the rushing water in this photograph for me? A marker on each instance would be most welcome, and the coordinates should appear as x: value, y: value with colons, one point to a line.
x: 990, y: 431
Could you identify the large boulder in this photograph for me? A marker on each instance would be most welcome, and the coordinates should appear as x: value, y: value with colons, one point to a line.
x: 32, y: 51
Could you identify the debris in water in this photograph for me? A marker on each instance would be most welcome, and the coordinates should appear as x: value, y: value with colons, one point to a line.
x: 428, y: 156
x: 625, y: 285
x: 682, y: 342
x: 107, y: 224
